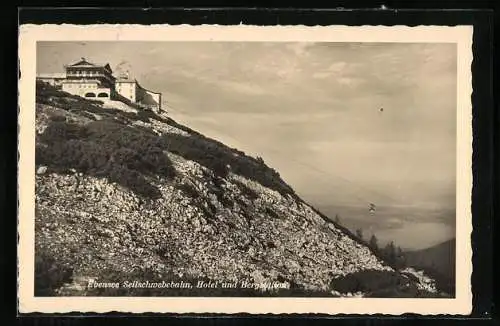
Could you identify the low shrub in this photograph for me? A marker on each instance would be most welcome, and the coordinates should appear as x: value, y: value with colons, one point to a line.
x: 246, y: 191
x: 379, y: 284
x: 50, y: 274
x: 57, y: 117
x: 62, y: 131
x: 139, y: 150
x: 133, y: 180
x: 188, y: 190
x: 270, y: 212
x: 106, y: 148
x: 222, y: 160
x: 368, y: 281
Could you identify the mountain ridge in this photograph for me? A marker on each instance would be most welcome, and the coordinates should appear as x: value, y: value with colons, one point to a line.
x: 436, y: 255
x: 135, y: 195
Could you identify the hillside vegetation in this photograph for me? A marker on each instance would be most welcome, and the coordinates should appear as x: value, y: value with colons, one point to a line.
x: 124, y: 196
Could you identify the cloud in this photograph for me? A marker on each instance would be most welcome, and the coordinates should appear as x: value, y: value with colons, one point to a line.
x: 299, y: 49
x: 347, y: 81
x: 337, y: 67
x: 321, y: 75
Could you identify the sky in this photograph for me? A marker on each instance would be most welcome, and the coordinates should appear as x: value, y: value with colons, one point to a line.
x: 345, y: 124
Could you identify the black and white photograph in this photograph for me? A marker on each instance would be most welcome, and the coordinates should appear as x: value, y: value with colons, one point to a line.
x: 270, y: 168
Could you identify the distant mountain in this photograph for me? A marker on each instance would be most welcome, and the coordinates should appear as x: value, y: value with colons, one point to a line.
x: 134, y: 196
x: 438, y: 261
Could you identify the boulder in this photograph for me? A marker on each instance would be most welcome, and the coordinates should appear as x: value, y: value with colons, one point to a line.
x: 41, y: 169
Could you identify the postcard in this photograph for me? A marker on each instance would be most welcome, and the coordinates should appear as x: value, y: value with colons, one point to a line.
x: 245, y: 169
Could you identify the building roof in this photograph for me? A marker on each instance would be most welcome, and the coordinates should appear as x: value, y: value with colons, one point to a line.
x: 124, y: 77
x: 83, y: 63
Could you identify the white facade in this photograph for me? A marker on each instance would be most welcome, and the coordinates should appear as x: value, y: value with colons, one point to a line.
x: 87, y: 89
x: 127, y: 89
x: 151, y: 99
x: 132, y: 91
x: 155, y: 96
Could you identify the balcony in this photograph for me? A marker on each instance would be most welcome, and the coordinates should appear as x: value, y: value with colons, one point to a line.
x: 89, y: 74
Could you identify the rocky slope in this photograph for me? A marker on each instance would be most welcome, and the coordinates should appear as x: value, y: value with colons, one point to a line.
x: 124, y: 196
